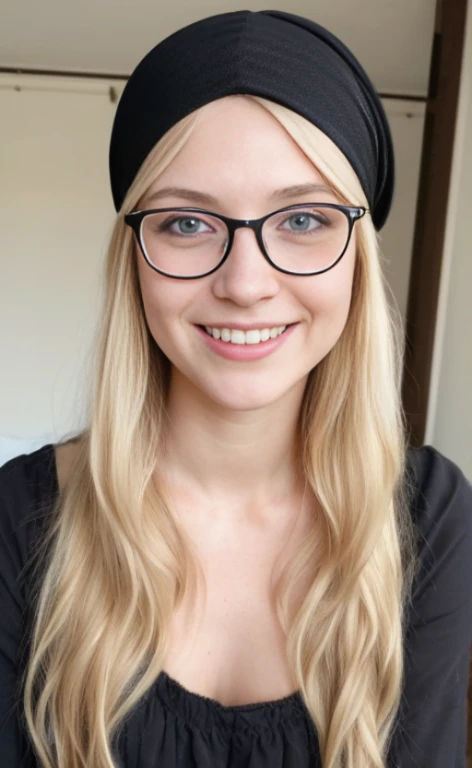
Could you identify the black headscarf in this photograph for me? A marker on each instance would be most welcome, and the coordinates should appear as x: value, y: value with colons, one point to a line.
x: 288, y: 59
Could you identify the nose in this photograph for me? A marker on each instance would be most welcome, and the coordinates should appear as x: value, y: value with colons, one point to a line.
x: 246, y: 276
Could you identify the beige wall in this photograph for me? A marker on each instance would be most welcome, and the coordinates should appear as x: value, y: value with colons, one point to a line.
x: 56, y: 213
x: 450, y: 413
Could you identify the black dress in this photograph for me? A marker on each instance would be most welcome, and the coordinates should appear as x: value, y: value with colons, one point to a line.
x: 172, y: 727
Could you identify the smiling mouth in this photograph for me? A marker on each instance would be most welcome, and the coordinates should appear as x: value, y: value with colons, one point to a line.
x: 236, y: 336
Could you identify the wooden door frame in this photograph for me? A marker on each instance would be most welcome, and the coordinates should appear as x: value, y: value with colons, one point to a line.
x: 431, y: 213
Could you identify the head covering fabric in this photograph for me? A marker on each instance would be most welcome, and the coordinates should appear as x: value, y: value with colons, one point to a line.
x: 286, y: 58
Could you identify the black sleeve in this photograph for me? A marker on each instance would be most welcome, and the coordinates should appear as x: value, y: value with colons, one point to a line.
x: 432, y: 730
x: 23, y: 499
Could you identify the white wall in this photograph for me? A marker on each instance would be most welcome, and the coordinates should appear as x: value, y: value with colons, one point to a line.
x: 55, y: 216
x: 450, y: 410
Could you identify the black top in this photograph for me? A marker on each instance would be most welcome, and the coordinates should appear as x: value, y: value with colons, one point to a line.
x: 174, y: 728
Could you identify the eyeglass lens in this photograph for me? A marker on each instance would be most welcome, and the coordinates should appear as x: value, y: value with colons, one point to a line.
x: 301, y: 240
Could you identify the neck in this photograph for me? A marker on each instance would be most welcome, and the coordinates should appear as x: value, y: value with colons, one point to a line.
x: 246, y: 458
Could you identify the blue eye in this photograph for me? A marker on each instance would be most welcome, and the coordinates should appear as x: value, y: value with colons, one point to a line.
x: 186, y: 225
x: 300, y: 222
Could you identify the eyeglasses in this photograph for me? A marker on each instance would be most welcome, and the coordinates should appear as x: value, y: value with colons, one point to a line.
x: 187, y: 243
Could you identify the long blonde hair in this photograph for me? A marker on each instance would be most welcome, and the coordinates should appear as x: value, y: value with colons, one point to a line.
x: 118, y: 564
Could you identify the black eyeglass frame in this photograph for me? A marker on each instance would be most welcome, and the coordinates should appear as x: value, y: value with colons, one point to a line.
x: 135, y: 219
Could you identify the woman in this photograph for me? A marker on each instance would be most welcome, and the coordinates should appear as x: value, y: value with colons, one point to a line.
x: 239, y: 563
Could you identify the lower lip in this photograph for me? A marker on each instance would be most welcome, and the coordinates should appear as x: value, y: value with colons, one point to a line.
x: 245, y: 351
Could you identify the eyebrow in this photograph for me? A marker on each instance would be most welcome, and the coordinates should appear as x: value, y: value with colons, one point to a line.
x: 196, y: 196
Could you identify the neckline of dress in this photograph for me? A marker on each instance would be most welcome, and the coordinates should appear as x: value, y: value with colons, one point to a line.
x: 200, y: 698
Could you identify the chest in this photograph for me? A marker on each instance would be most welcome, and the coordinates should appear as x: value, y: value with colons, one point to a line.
x: 230, y: 646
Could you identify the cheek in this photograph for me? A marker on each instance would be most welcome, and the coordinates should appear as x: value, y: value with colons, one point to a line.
x: 159, y: 318
x: 156, y: 298
x: 165, y: 303
x: 328, y: 296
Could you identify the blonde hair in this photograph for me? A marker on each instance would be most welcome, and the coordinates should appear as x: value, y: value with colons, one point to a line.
x: 118, y: 564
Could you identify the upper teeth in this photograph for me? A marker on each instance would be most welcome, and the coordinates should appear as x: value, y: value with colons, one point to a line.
x: 245, y: 337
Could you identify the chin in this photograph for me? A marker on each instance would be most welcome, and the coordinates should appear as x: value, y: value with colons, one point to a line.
x: 242, y: 399
x: 239, y: 405
x: 238, y: 390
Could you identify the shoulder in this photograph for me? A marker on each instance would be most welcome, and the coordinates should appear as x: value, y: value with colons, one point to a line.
x: 28, y: 470
x: 431, y: 724
x: 66, y: 455
x: 28, y: 489
x: 441, y: 508
x: 436, y: 476
x: 441, y: 497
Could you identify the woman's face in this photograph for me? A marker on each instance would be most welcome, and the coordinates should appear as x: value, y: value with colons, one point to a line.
x: 240, y: 156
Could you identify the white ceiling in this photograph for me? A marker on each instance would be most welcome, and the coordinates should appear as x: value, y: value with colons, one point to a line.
x: 392, y: 38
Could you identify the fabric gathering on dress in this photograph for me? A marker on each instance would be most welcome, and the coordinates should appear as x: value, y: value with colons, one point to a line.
x: 172, y: 727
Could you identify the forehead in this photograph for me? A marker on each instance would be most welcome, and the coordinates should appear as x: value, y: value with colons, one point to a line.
x: 237, y: 149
